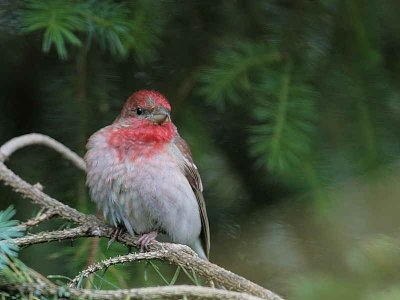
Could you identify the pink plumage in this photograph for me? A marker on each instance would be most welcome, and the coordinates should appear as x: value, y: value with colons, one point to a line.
x: 142, y: 176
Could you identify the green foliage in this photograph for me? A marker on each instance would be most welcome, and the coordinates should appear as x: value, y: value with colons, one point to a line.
x: 116, y: 27
x: 285, y: 109
x: 59, y: 19
x: 107, y: 23
x: 282, y: 82
x: 15, y: 272
x: 286, y: 114
x: 234, y: 72
x: 9, y: 230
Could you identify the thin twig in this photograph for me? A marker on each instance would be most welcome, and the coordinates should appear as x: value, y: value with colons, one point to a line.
x: 40, y: 218
x: 104, y: 264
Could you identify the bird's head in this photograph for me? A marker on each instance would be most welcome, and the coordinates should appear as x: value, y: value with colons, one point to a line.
x: 146, y: 107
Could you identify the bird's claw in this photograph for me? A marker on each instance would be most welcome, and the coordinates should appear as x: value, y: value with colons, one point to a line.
x: 116, y: 233
x: 145, y: 239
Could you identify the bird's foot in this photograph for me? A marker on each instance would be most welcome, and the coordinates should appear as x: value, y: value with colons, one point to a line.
x: 145, y: 239
x: 116, y: 233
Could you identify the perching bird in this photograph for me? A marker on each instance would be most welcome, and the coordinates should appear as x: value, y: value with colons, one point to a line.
x: 140, y: 172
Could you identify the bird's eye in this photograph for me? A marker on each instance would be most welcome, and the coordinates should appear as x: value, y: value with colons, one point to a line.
x: 139, y: 111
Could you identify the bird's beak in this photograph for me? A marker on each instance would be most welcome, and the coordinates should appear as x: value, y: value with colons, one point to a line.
x: 161, y: 116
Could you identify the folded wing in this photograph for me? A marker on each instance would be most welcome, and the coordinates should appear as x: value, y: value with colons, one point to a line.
x: 193, y: 176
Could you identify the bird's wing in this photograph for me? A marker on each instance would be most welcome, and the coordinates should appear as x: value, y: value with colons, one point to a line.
x: 193, y: 176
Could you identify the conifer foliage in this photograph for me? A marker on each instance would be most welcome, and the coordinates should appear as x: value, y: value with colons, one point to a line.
x: 9, y: 230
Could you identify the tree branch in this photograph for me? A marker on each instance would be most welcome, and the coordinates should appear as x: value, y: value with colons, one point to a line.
x: 90, y: 226
x: 176, y: 254
x: 161, y: 292
x: 39, y: 139
x: 46, y: 215
x: 60, y: 235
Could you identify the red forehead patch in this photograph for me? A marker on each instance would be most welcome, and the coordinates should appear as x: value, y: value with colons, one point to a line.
x: 146, y: 98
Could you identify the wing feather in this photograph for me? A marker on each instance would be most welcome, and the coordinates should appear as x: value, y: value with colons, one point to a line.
x: 193, y: 176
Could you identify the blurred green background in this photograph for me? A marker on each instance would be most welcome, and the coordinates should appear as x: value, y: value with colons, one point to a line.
x: 291, y: 108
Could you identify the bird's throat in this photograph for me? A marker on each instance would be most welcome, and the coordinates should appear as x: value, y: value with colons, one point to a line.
x: 141, y: 141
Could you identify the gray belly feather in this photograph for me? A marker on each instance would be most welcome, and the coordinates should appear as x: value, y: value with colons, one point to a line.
x: 145, y: 194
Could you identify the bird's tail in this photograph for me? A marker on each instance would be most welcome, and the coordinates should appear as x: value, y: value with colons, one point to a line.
x: 198, y: 248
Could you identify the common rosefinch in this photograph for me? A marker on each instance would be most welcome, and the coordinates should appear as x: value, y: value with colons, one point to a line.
x: 141, y: 174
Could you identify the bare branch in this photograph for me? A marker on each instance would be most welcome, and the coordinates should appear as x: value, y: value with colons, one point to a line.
x: 149, y: 293
x: 42, y: 199
x: 39, y: 139
x: 179, y: 255
x: 91, y: 226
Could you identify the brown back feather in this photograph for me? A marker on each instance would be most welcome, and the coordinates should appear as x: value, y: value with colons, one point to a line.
x: 193, y: 176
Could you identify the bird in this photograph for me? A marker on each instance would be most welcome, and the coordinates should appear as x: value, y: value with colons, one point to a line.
x: 141, y: 175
